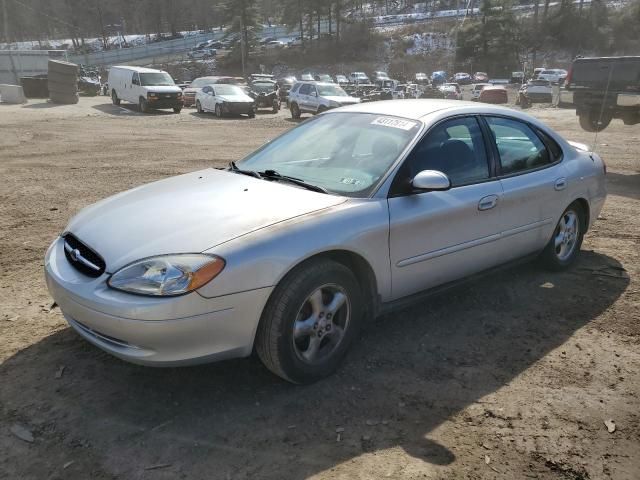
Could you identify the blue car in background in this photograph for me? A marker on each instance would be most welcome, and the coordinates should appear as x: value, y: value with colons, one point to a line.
x: 439, y: 77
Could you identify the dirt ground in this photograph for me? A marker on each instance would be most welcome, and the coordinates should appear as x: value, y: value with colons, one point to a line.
x: 509, y: 377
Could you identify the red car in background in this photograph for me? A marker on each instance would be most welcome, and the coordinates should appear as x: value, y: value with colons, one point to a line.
x: 494, y: 94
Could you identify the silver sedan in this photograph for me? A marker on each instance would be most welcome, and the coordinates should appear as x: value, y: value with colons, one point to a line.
x: 289, y: 250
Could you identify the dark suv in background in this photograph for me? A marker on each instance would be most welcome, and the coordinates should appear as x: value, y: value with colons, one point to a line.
x: 604, y: 88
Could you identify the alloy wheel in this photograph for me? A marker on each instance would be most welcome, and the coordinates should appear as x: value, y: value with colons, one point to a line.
x: 566, y: 235
x: 321, y: 323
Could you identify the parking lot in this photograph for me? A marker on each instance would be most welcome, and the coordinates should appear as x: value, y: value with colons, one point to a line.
x: 511, y: 376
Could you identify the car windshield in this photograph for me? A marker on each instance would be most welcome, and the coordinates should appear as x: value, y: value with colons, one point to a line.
x: 228, y: 90
x: 331, y: 91
x: 157, y: 79
x: 356, y: 151
x: 263, y: 87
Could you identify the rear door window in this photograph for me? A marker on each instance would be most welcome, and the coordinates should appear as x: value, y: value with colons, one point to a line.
x: 519, y: 147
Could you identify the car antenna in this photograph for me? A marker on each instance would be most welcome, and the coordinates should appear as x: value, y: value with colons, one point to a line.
x: 604, y: 99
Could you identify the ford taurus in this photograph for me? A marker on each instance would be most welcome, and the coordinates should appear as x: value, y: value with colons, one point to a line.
x: 288, y: 250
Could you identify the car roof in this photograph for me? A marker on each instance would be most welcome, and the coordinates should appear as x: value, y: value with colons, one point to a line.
x: 138, y: 69
x: 419, y: 108
x: 413, y: 108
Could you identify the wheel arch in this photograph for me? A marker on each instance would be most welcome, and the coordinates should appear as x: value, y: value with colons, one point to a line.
x: 586, y: 209
x: 361, y: 268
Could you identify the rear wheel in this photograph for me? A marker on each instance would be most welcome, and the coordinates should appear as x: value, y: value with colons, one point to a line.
x: 177, y: 109
x: 564, y: 246
x: 310, y: 321
x: 592, y: 122
x: 295, y: 111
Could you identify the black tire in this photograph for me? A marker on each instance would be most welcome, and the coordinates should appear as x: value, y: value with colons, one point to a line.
x: 252, y: 114
x: 295, y: 111
x: 68, y: 88
x: 275, y: 342
x: 62, y: 77
x: 114, y: 98
x: 143, y: 105
x: 59, y: 66
x: 199, y: 107
x: 591, y: 121
x: 550, y: 256
x: 321, y: 109
x: 64, y: 98
x: 276, y: 106
x: 177, y: 109
x: 218, y: 110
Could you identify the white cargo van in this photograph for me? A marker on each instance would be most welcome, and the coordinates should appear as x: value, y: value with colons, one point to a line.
x: 146, y: 87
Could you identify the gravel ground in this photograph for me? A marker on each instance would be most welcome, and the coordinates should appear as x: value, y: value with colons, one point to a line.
x: 512, y: 376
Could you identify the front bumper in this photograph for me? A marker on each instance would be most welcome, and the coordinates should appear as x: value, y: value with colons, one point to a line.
x: 160, y: 102
x: 188, y: 329
x: 238, y: 107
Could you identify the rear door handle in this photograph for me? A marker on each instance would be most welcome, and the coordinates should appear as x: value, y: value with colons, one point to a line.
x: 561, y: 184
x: 488, y: 202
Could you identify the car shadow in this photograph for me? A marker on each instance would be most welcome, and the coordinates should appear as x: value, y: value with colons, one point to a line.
x: 212, y: 116
x: 407, y: 374
x: 623, y: 185
x: 42, y: 103
x: 128, y: 109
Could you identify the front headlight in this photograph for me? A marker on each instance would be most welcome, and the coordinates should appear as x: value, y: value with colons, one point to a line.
x: 167, y: 275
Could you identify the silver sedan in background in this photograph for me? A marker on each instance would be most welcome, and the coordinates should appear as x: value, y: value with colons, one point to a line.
x: 335, y: 221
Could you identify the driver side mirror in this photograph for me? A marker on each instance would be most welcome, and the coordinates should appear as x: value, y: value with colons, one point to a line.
x: 314, y: 94
x: 430, y: 180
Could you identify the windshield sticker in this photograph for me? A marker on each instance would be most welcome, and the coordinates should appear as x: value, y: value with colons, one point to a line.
x: 394, y: 123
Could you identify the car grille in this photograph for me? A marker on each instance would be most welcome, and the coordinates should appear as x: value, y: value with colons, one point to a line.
x: 238, y: 105
x: 82, y: 257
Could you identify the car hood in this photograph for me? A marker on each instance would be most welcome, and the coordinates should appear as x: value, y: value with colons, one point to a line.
x: 189, y: 213
x: 163, y: 88
x: 235, y: 98
x: 343, y: 100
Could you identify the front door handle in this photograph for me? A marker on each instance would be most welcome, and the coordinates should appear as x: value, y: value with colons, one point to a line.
x: 488, y: 202
x: 561, y: 183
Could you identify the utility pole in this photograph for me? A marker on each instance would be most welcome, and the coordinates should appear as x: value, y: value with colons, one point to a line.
x: 242, y: 44
x: 6, y: 22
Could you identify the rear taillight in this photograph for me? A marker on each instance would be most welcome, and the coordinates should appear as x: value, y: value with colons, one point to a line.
x: 567, y: 80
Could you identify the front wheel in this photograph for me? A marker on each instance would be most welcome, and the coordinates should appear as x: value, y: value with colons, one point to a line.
x: 142, y: 106
x: 114, y: 98
x: 295, y: 111
x: 218, y: 110
x: 564, y: 246
x: 177, y: 109
x: 310, y: 321
x: 199, y: 107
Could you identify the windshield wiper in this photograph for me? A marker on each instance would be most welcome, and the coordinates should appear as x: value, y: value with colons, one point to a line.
x: 274, y: 175
x: 251, y: 173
